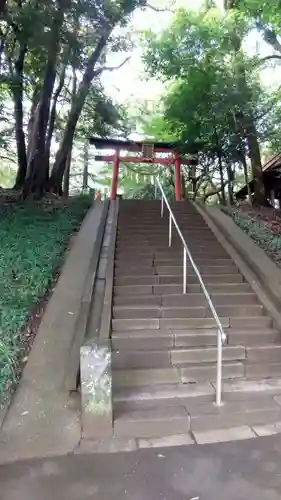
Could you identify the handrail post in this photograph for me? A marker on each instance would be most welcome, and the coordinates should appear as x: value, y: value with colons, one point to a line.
x: 170, y: 230
x: 219, y: 369
x: 184, y: 269
x: 162, y: 206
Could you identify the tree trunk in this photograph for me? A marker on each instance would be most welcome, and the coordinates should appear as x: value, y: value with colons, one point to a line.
x: 2, y: 6
x: 75, y: 111
x: 218, y: 151
x: 17, y: 89
x: 38, y: 170
x: 255, y: 157
x: 66, y: 176
x: 230, y: 176
x: 245, y: 168
x: 53, y: 114
x: 32, y: 120
x: 86, y: 166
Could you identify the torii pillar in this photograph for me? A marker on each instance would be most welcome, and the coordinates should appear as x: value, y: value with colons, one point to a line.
x: 115, y: 174
x: 178, y: 176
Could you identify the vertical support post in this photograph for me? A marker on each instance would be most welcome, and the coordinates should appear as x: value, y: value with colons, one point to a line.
x: 219, y: 368
x: 178, y: 177
x: 184, y: 270
x: 272, y: 197
x: 162, y: 206
x: 170, y: 230
x: 115, y: 174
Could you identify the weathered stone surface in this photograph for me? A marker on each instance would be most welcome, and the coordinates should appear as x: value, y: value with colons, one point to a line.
x: 267, y: 429
x: 96, y: 389
x: 129, y: 290
x: 141, y: 359
x: 138, y: 300
x: 110, y: 445
x: 206, y: 416
x: 135, y: 324
x: 142, y: 339
x: 245, y: 389
x: 152, y: 422
x: 258, y: 370
x: 138, y: 377
x: 162, y: 395
x: 254, y: 322
x: 267, y: 353
x: 206, y: 354
x: 174, y: 440
x: 208, y: 372
x: 223, y: 435
x: 186, y: 323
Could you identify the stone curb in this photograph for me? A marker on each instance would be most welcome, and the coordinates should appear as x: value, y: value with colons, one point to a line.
x: 86, y: 302
x: 95, y: 354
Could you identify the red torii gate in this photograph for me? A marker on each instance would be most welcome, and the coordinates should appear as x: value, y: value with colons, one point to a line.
x: 148, y: 151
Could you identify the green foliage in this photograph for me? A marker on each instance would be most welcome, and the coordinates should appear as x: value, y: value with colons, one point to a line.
x: 265, y: 238
x: 33, y: 240
x: 213, y: 92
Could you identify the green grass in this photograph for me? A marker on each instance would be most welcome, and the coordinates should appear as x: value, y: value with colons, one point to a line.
x: 33, y: 239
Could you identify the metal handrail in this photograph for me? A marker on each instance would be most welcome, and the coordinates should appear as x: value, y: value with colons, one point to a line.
x: 221, y: 335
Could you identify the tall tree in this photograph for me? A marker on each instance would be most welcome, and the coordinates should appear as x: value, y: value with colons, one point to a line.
x: 203, y: 54
x: 37, y: 65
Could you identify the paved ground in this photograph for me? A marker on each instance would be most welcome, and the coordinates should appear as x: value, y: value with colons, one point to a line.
x: 245, y: 470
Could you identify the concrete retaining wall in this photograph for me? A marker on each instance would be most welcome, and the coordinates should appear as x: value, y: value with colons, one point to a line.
x: 258, y: 269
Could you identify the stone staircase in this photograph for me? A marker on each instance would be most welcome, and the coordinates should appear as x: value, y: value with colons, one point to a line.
x: 164, y: 342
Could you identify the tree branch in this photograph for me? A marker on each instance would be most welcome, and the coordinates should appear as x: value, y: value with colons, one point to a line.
x: 268, y: 58
x: 112, y: 68
x: 158, y: 9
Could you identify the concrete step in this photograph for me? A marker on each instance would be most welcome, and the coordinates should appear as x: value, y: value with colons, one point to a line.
x: 195, y: 248
x: 146, y: 376
x: 150, y: 260
x: 152, y: 422
x: 138, y: 270
x: 163, y: 339
x: 142, y: 339
x: 167, y: 324
x: 262, y: 369
x: 184, y: 374
x: 156, y: 311
x: 190, y: 323
x: 135, y: 340
x: 256, y: 411
x: 200, y: 355
x: 143, y: 397
x: 196, y: 417
x: 207, y: 372
x: 138, y: 398
x: 127, y: 359
x: 188, y: 300
x: 177, y: 279
x: 174, y: 289
x: 175, y: 357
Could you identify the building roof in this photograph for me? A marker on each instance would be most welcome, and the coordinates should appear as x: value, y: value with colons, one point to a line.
x: 272, y: 164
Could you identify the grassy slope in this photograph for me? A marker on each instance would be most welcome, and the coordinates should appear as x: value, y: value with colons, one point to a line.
x: 33, y: 238
x: 263, y: 226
